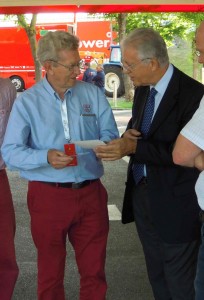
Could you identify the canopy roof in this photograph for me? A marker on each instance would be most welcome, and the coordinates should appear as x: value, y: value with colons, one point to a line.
x: 99, y: 6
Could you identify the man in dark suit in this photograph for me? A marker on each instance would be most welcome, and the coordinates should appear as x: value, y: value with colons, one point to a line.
x: 159, y: 195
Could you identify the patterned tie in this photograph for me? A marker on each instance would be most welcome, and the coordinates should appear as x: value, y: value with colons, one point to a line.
x: 138, y: 169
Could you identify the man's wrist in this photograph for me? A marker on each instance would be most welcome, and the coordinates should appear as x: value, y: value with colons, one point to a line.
x: 130, y: 145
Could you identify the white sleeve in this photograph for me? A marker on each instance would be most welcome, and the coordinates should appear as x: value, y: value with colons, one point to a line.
x: 194, y: 129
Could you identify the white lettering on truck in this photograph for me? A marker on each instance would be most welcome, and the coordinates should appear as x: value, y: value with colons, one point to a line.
x: 96, y: 43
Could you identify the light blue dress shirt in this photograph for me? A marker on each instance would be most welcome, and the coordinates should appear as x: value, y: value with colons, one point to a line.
x: 161, y: 86
x: 35, y: 126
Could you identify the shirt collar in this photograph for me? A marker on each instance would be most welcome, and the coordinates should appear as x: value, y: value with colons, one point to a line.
x: 50, y: 89
x: 162, y: 84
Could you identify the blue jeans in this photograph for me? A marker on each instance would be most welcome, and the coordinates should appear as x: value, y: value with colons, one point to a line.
x: 199, y: 280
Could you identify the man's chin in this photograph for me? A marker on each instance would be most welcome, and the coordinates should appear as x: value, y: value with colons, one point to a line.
x: 72, y: 81
x: 137, y: 83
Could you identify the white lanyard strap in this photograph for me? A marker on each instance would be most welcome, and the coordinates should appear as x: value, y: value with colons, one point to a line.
x: 65, y: 120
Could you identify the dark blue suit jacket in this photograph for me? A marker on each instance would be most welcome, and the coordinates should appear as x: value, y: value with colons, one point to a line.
x: 171, y: 191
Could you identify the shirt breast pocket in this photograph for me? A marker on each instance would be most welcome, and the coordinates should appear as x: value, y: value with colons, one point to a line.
x: 89, y: 127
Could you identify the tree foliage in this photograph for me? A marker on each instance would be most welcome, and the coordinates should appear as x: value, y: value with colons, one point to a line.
x: 169, y: 25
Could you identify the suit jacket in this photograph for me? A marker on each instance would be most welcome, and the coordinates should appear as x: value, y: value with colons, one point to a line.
x: 170, y: 187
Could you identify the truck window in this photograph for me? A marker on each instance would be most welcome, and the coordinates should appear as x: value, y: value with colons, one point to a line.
x: 115, y: 55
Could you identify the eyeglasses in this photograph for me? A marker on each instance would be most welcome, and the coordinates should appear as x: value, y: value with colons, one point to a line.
x: 70, y: 67
x: 130, y: 68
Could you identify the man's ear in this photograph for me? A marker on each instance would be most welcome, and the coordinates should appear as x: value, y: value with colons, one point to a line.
x: 48, y: 66
x: 154, y: 64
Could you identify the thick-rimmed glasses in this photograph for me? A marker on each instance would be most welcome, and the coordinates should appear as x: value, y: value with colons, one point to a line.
x: 130, y: 68
x: 70, y: 67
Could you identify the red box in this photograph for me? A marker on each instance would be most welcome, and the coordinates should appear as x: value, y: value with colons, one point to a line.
x: 71, y: 151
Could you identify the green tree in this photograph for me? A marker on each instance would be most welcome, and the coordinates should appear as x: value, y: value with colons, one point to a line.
x: 122, y: 25
x: 167, y: 24
x: 193, y: 20
x: 119, y: 22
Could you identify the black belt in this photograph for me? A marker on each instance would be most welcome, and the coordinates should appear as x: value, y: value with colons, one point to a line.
x: 201, y: 216
x: 73, y: 185
x: 142, y: 181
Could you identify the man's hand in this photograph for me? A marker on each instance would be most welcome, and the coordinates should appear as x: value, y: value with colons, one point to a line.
x: 132, y: 134
x: 118, y: 148
x: 58, y: 159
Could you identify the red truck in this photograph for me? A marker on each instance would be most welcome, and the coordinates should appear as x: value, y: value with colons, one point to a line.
x: 16, y: 60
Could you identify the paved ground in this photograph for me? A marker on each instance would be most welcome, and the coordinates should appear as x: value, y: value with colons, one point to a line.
x: 125, y: 268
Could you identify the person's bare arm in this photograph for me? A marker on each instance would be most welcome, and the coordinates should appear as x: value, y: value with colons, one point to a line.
x: 199, y: 161
x: 185, y: 152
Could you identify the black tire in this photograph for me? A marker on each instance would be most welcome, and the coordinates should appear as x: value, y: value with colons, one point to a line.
x: 18, y: 82
x: 113, y: 74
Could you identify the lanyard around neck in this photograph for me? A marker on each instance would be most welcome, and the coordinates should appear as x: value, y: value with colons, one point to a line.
x: 65, y: 119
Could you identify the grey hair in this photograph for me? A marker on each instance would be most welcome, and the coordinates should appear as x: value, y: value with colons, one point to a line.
x: 52, y: 42
x: 148, y: 43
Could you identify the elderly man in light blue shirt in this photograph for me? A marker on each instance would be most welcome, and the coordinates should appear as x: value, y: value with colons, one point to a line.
x: 36, y: 125
x: 63, y: 199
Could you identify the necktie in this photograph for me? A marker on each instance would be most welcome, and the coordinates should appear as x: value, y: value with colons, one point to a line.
x: 138, y: 169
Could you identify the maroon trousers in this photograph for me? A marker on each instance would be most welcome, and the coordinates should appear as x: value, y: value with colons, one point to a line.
x: 8, y: 265
x: 82, y: 216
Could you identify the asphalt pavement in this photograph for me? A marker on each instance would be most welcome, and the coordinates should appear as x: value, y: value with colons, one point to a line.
x: 125, y: 267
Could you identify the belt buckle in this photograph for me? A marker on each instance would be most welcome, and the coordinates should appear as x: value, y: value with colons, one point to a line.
x: 79, y: 185
x: 76, y: 185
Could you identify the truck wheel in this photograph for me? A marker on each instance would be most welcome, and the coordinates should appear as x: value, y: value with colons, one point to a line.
x: 113, y: 75
x: 18, y: 82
